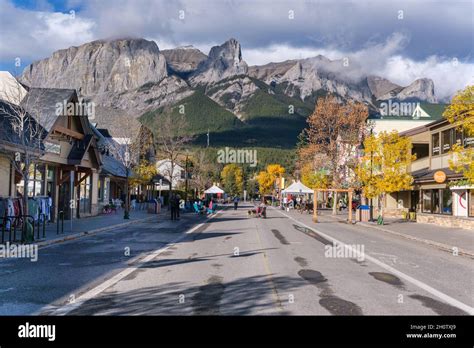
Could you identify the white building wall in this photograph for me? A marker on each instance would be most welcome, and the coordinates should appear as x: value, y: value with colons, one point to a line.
x: 397, y: 125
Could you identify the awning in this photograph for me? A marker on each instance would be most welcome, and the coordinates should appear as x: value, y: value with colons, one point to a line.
x: 297, y: 188
x: 214, y: 190
x: 427, y: 175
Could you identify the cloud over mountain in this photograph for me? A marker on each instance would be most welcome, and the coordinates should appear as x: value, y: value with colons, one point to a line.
x: 394, y: 39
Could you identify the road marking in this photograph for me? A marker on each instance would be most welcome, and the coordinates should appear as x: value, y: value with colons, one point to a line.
x: 269, y: 272
x: 446, y: 298
x: 64, y: 310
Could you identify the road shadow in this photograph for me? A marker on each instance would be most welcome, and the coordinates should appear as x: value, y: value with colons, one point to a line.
x: 170, y: 262
x: 243, y: 296
x: 207, y: 235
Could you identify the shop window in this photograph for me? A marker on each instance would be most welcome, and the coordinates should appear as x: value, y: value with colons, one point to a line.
x: 435, y: 144
x: 100, y: 190
x: 432, y: 201
x: 468, y: 141
x: 447, y: 137
x: 50, y: 181
x: 447, y: 201
x: 39, y: 180
x: 458, y: 137
x: 85, y: 194
x: 426, y: 201
x: 420, y: 150
x: 435, y: 208
x: 36, y: 181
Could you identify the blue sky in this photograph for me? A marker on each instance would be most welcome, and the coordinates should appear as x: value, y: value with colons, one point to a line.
x: 52, y: 5
x: 400, y: 40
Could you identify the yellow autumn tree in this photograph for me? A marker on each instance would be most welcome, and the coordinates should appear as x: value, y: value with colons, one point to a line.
x: 266, y: 179
x: 460, y: 112
x: 384, y: 167
x: 275, y: 170
x: 265, y: 182
x: 232, y: 179
x: 314, y: 179
x: 143, y: 173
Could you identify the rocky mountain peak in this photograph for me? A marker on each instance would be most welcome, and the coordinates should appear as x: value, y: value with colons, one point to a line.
x: 223, y: 61
x: 183, y: 60
x: 100, y: 67
x: 229, y: 50
x: 420, y: 89
x: 380, y: 86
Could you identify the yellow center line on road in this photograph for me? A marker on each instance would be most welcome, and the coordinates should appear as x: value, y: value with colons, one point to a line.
x: 266, y: 265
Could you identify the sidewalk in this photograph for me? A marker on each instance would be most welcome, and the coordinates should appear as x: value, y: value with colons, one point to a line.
x: 88, y: 226
x: 445, y: 238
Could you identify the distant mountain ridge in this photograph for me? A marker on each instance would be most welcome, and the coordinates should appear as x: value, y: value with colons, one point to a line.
x: 132, y: 76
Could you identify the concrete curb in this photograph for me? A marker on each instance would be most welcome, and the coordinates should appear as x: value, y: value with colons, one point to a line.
x: 91, y: 232
x: 442, y: 246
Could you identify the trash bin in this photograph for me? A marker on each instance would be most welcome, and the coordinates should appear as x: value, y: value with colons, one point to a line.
x: 363, y: 213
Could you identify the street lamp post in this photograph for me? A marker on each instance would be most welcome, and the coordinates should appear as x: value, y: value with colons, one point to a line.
x: 371, y: 168
x: 126, y: 212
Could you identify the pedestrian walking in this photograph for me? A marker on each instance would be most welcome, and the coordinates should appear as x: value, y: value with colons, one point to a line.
x: 236, y: 202
x: 178, y: 203
x: 173, y: 207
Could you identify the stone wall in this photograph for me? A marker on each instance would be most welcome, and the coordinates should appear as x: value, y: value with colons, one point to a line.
x: 446, y: 221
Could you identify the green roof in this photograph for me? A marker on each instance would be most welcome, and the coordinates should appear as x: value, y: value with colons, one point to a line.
x: 434, y: 110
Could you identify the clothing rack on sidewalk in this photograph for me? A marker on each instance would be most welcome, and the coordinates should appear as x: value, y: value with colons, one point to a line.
x: 39, y: 208
x: 13, y: 208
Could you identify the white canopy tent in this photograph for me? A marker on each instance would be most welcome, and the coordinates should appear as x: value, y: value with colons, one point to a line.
x: 297, y: 188
x: 213, y: 190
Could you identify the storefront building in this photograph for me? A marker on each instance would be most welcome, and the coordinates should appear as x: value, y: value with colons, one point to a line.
x: 439, y: 195
x: 68, y: 169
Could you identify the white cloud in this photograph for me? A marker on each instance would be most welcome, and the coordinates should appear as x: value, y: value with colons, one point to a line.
x: 449, y: 74
x: 33, y: 35
x: 63, y: 29
x: 369, y: 33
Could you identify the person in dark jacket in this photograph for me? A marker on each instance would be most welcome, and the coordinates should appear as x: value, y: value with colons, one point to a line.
x: 236, y: 202
x: 178, y: 202
x: 173, y: 207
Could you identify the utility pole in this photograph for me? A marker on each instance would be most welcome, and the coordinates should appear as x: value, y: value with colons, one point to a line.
x: 186, y: 180
x: 371, y: 168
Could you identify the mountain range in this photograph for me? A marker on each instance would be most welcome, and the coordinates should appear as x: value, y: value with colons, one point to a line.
x: 239, y: 105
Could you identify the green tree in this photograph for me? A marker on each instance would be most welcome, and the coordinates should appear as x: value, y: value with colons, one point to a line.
x: 252, y: 187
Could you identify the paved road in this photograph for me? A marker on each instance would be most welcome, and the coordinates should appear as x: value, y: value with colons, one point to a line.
x: 64, y: 271
x: 236, y: 265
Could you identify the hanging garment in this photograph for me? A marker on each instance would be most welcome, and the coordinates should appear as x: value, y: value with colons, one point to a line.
x: 33, y: 208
